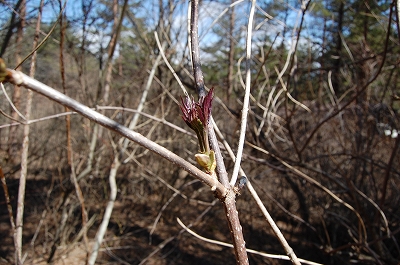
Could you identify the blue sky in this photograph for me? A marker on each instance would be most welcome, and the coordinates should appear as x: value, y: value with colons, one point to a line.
x: 209, y: 12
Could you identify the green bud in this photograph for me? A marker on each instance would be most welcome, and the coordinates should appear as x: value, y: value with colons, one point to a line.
x: 207, y: 161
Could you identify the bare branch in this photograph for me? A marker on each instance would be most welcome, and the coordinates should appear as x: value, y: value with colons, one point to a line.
x: 271, y: 222
x: 229, y: 200
x: 24, y: 80
x: 107, y: 215
x: 12, y: 104
x: 161, y: 49
x: 194, y: 41
x: 8, y: 201
x: 245, y: 109
x: 271, y: 256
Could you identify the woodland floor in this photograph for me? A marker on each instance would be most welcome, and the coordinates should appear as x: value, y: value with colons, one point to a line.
x: 128, y: 239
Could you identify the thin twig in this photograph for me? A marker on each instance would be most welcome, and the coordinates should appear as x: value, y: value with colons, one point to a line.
x: 11, y: 103
x: 10, y: 117
x: 161, y: 49
x: 45, y: 38
x: 174, y: 195
x: 232, y: 5
x: 160, y: 246
x: 271, y: 222
x: 216, y: 242
x: 142, y: 101
x: 17, y: 123
x: 107, y: 214
x: 245, y: 109
x: 289, y: 251
x: 384, y: 219
x: 160, y: 120
x: 8, y: 201
x: 319, y: 185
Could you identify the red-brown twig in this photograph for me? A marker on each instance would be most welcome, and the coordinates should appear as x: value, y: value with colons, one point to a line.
x: 229, y: 200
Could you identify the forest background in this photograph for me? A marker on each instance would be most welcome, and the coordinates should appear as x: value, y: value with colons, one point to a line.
x: 321, y: 145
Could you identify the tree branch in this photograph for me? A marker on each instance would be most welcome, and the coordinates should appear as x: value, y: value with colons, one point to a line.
x: 19, y: 78
x: 229, y: 202
x: 194, y: 37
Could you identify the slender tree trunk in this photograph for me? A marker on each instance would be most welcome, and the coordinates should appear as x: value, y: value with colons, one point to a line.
x: 13, y: 145
x: 112, y: 46
x: 116, y: 163
x: 86, y: 8
x: 70, y: 157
